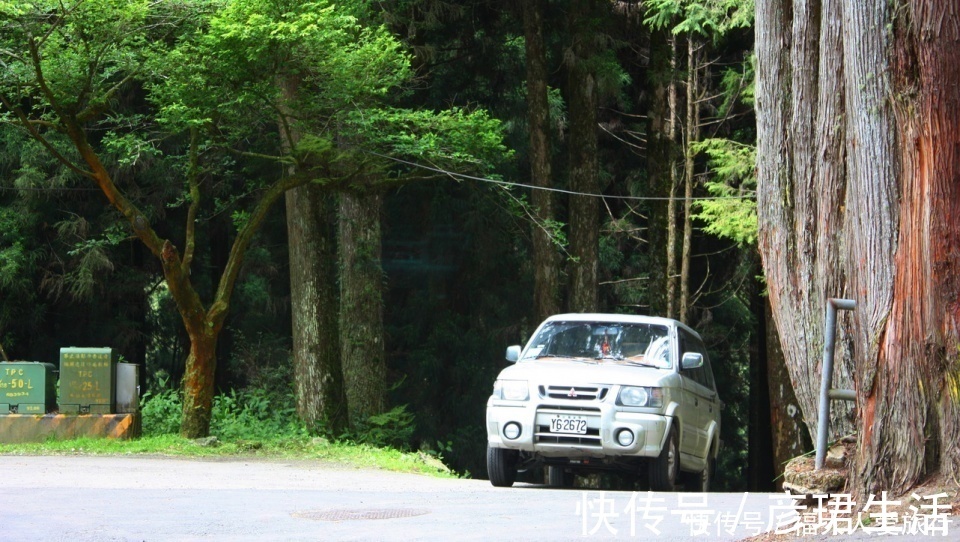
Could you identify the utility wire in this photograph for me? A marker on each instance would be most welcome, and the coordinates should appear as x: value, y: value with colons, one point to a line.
x: 549, y: 189
x: 453, y: 174
x: 56, y: 189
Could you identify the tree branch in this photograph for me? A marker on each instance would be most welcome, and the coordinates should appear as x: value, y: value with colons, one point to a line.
x: 192, y: 177
x: 221, y: 303
x: 28, y: 125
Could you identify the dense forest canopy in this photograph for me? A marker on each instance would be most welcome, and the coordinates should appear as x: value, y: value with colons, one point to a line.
x: 451, y: 173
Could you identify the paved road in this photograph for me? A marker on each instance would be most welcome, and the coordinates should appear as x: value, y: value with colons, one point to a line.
x: 149, y: 498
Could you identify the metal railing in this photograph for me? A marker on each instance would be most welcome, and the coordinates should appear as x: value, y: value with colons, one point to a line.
x: 827, y: 393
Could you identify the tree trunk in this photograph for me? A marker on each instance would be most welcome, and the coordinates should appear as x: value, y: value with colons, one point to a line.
x: 691, y: 135
x: 801, y: 188
x: 546, y: 292
x: 672, y: 275
x: 198, y: 388
x: 789, y: 437
x: 895, y: 186
x: 318, y: 378
x: 311, y: 241
x: 661, y: 173
x: 584, y: 169
x: 361, y: 306
x: 905, y: 253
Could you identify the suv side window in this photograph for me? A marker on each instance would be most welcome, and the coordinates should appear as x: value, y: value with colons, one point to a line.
x: 702, y: 375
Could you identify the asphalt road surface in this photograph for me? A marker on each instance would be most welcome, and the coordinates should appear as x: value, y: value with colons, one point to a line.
x: 128, y: 498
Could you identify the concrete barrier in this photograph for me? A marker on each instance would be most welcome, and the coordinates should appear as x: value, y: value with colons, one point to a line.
x: 18, y: 428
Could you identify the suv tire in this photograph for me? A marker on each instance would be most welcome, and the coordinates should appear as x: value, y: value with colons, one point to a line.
x: 556, y: 477
x: 664, y: 469
x: 502, y: 466
x: 704, y: 479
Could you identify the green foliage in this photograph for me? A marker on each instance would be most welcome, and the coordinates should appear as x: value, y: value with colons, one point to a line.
x: 393, y: 429
x: 254, y: 415
x: 86, y: 50
x: 703, y: 17
x: 454, y: 137
x: 227, y: 74
x: 732, y: 167
x: 160, y: 412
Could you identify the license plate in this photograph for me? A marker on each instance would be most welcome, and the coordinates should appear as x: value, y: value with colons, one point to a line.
x: 576, y: 426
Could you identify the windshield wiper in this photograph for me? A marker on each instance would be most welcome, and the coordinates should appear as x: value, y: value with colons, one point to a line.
x: 642, y: 363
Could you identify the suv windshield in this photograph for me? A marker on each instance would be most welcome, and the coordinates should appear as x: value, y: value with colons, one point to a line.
x: 642, y: 344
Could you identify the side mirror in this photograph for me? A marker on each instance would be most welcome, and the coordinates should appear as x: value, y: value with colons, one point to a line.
x: 691, y: 360
x: 513, y: 354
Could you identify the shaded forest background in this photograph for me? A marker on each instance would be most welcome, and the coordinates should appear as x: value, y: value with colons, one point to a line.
x: 673, y: 125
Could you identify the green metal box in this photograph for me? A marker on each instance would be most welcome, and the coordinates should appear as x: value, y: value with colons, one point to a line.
x: 88, y: 380
x: 27, y: 387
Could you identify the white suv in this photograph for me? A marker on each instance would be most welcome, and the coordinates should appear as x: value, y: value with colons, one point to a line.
x: 594, y: 392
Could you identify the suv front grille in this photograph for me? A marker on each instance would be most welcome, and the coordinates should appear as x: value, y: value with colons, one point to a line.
x: 574, y: 393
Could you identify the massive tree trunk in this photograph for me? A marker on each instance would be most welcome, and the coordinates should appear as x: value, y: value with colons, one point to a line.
x: 311, y: 241
x: 546, y: 259
x: 895, y: 188
x: 801, y: 177
x: 905, y: 261
x: 361, y: 305
x: 584, y: 168
x: 788, y: 432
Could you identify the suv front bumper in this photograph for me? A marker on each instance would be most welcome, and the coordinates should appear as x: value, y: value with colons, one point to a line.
x: 604, y: 424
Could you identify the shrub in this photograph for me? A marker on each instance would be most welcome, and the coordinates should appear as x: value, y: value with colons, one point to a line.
x: 160, y: 412
x: 393, y: 428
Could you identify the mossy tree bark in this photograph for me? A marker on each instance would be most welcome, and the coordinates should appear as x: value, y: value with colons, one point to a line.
x: 314, y: 299
x: 361, y: 305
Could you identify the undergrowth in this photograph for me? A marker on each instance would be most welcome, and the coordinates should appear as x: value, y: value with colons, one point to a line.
x: 255, y: 422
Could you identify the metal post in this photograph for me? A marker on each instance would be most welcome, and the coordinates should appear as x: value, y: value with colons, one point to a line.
x: 829, y: 336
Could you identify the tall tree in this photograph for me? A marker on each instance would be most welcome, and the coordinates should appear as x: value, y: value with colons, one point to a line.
x: 314, y: 299
x: 799, y: 99
x: 697, y: 22
x: 546, y: 260
x: 584, y: 210
x: 361, y: 304
x: 67, y: 63
x: 868, y: 217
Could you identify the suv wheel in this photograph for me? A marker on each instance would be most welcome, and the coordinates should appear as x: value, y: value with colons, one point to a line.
x: 705, y: 478
x: 556, y: 477
x: 664, y: 469
x: 501, y: 466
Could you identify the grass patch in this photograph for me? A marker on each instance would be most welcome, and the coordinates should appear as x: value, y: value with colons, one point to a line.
x: 251, y: 424
x: 317, y: 449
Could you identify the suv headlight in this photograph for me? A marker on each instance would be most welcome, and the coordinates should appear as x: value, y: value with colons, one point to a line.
x: 637, y: 396
x: 512, y: 390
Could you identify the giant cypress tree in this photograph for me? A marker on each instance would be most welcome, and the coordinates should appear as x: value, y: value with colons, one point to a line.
x: 858, y: 197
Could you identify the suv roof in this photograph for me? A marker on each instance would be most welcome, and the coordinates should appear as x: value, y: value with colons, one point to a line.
x: 607, y: 317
